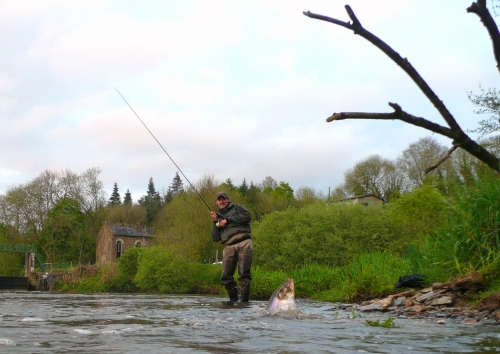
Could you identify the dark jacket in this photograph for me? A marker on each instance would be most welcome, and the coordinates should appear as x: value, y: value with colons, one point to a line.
x: 238, y: 221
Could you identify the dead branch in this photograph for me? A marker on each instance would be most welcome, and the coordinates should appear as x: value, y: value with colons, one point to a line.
x: 479, y: 8
x: 398, y: 114
x: 441, y: 160
x: 454, y: 131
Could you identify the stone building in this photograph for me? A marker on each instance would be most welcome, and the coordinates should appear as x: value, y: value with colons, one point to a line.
x: 115, y: 238
x: 365, y: 199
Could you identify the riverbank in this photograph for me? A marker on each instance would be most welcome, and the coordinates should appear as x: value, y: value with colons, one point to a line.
x: 451, y: 302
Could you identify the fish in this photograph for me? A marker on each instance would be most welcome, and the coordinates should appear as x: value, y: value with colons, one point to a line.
x: 283, y: 297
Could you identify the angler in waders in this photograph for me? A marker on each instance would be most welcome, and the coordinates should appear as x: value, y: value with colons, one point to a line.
x: 231, y: 227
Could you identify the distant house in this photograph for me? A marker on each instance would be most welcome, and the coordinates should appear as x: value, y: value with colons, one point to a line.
x: 116, y: 238
x: 365, y: 199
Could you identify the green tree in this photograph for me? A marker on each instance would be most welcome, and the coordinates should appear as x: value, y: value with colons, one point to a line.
x: 229, y: 183
x: 64, y: 236
x: 243, y: 188
x: 127, y: 199
x: 151, y: 202
x: 115, y: 198
x: 487, y: 102
x: 175, y: 188
x: 373, y: 175
x: 11, y: 264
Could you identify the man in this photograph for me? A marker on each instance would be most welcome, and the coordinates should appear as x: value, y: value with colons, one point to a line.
x: 231, y: 227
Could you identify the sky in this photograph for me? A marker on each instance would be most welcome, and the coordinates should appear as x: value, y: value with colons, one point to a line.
x: 231, y: 89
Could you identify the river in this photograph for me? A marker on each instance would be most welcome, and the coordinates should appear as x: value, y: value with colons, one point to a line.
x: 41, y: 322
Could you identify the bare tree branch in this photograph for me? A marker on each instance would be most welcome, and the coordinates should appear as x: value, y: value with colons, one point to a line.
x: 441, y: 160
x: 398, y: 114
x: 479, y: 8
x: 454, y: 131
x: 403, y: 63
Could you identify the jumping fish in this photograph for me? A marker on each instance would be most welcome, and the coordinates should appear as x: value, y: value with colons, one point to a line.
x: 283, y: 297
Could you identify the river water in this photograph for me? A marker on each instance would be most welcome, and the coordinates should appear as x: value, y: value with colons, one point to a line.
x: 40, y: 322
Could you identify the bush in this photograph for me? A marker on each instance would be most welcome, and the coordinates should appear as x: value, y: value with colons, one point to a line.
x: 323, y: 233
x: 164, y: 270
x: 471, y: 241
x: 127, y: 266
x: 369, y: 275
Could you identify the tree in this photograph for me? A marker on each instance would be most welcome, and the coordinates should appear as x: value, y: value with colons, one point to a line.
x: 63, y: 235
x: 152, y: 202
x: 373, y: 175
x: 243, y: 188
x: 175, y: 188
x: 229, y: 183
x: 487, y: 102
x: 415, y: 159
x: 127, y: 199
x: 453, y: 131
x: 269, y: 182
x: 115, y: 196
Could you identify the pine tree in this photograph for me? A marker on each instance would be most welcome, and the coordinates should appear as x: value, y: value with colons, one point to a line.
x: 151, y: 202
x: 177, y: 187
x: 127, y: 199
x: 243, y: 187
x: 229, y: 183
x: 115, y: 196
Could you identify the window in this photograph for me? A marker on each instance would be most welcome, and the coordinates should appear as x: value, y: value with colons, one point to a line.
x: 138, y: 244
x: 118, y: 249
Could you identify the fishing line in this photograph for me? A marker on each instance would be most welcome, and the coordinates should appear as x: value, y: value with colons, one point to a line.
x: 171, y: 159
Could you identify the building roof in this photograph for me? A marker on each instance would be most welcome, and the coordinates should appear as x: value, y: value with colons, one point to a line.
x: 362, y: 196
x: 120, y: 229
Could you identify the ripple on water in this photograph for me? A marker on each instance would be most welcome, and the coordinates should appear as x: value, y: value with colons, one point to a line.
x: 7, y: 342
x: 32, y: 319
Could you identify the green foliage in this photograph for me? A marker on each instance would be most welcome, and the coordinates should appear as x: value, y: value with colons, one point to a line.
x: 127, y: 266
x: 327, y: 234
x: 487, y: 102
x: 418, y: 213
x: 369, y: 275
x: 64, y: 236
x: 115, y: 196
x: 11, y: 264
x: 471, y: 241
x: 387, y: 323
x: 164, y: 270
x: 152, y: 202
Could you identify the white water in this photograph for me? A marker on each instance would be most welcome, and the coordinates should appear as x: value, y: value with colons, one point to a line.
x: 35, y: 322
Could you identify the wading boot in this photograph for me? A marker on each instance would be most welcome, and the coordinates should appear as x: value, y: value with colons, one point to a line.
x: 244, y: 297
x: 233, y: 294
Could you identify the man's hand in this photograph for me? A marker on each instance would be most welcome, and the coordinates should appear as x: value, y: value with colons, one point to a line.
x: 213, y: 215
x: 222, y: 223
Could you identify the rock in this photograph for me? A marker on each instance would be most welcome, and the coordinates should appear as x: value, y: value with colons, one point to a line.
x: 491, y: 302
x: 417, y: 308
x: 400, y: 301
x: 376, y: 306
x: 469, y: 321
x: 444, y: 300
x: 426, y: 296
x: 409, y: 303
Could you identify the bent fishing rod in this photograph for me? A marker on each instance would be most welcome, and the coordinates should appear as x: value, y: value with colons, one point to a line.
x: 171, y: 159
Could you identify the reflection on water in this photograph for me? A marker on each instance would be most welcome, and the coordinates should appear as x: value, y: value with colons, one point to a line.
x: 32, y: 322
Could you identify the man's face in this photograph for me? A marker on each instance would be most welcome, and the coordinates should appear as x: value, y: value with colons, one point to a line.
x: 221, y: 202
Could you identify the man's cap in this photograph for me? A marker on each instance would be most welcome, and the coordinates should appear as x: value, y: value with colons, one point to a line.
x: 221, y: 194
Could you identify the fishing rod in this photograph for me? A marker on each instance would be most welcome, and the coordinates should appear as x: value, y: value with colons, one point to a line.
x: 171, y: 159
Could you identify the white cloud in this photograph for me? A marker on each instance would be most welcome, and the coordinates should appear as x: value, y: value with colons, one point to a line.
x: 118, y: 43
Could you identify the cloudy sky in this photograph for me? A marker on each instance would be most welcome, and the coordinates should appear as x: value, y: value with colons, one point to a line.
x: 237, y: 89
